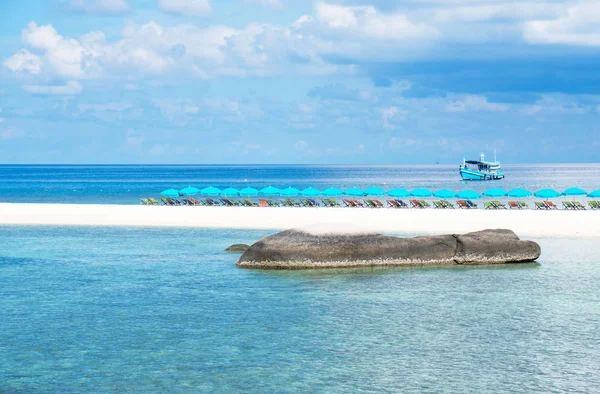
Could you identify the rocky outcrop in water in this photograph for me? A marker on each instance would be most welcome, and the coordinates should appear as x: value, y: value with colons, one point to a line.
x: 298, y: 249
x: 237, y: 248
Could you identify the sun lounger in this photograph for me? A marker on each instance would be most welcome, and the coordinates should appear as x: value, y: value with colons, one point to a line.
x: 145, y: 201
x: 578, y: 205
x: 513, y: 205
x: 416, y: 204
x: 166, y: 201
x: 594, y: 204
x: 402, y: 203
x: 523, y: 205
x: 462, y: 204
x: 540, y: 205
x: 550, y: 205
x: 471, y: 204
x: 489, y: 205
x: 438, y: 205
x: 447, y: 204
x: 424, y: 203
x: 498, y: 205
x: 568, y: 205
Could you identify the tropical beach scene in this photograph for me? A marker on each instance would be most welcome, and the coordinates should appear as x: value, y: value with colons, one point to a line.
x: 275, y: 196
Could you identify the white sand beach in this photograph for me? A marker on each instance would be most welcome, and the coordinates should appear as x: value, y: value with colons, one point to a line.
x: 412, y: 221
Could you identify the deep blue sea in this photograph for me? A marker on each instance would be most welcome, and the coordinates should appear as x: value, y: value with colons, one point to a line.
x: 95, y: 310
x: 110, y: 184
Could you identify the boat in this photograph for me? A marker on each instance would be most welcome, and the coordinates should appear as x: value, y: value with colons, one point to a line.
x: 481, y: 170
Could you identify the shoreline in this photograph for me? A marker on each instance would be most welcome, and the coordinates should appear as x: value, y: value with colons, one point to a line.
x: 538, y: 223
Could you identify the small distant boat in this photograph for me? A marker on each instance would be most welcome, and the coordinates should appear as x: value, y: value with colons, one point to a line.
x: 481, y: 170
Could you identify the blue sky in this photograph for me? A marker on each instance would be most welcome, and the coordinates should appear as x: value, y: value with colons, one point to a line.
x: 282, y: 81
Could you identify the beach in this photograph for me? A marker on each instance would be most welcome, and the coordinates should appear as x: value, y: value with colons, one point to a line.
x: 534, y: 223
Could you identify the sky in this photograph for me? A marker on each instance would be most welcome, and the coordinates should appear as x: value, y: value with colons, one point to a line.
x: 299, y: 82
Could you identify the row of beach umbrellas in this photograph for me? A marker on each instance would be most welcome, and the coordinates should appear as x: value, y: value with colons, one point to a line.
x: 376, y: 191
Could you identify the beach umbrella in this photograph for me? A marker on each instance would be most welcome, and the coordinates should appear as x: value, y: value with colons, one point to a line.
x: 289, y: 192
x: 469, y: 195
x: 210, y: 191
x: 519, y: 193
x: 495, y: 192
x: 574, y: 191
x: 398, y: 192
x: 444, y: 193
x: 189, y: 191
x: 332, y: 192
x: 421, y: 192
x: 248, y: 192
x: 310, y: 192
x: 354, y: 191
x: 270, y: 191
x: 230, y: 192
x: 547, y: 193
x: 374, y: 191
x: 170, y: 193
x: 594, y: 194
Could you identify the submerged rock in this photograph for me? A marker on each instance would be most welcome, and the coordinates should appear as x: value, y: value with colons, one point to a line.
x: 299, y: 249
x: 237, y: 248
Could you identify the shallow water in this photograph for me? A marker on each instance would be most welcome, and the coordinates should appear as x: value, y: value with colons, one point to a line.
x: 118, y: 184
x: 152, y: 310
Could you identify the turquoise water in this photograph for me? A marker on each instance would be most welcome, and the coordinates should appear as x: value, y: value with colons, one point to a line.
x: 164, y: 310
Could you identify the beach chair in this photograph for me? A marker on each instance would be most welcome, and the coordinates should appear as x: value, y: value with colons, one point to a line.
x: 447, y: 204
x: 334, y: 203
x: 540, y: 205
x: 498, y: 205
x: 402, y: 204
x: 523, y: 205
x: 438, y: 205
x: 594, y: 204
x: 471, y: 204
x: 513, y: 205
x: 416, y: 204
x: 370, y: 204
x: 166, y: 201
x: 568, y: 205
x: 489, y: 205
x: 578, y: 205
x: 145, y: 201
x: 392, y: 204
x: 424, y: 203
x: 550, y: 205
x: 462, y: 204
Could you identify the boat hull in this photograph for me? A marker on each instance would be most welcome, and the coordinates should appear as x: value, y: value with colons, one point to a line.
x: 471, y: 175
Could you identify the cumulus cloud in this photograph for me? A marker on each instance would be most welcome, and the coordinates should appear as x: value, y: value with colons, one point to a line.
x: 24, y: 61
x: 97, y: 7
x: 186, y: 7
x: 388, y: 114
x: 474, y: 103
x: 71, y: 88
x: 580, y: 26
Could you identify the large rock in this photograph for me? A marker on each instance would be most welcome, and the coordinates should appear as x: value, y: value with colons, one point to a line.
x: 299, y: 249
x: 237, y: 248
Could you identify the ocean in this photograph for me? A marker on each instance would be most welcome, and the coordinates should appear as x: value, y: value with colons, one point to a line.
x: 117, y: 309
x: 85, y: 309
x: 108, y: 184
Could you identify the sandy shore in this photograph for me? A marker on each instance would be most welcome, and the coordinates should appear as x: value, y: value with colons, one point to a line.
x: 414, y: 221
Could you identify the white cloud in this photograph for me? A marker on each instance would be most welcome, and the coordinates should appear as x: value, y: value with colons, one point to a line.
x: 24, y: 61
x: 497, y: 11
x: 98, y: 7
x: 71, y: 88
x: 368, y: 22
x: 556, y: 104
x: 389, y: 113
x: 579, y: 26
x: 186, y: 7
x: 474, y: 103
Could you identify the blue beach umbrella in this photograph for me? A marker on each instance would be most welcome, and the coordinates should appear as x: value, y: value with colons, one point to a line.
x: 574, y: 191
x: 444, y: 193
x: 547, y: 193
x: 374, y: 191
x: 230, y: 192
x: 332, y: 192
x: 469, y: 195
x: 310, y: 192
x: 189, y: 191
x: 495, y: 192
x: 210, y: 191
x: 519, y: 193
x: 248, y: 192
x: 289, y: 192
x: 399, y: 192
x: 594, y: 194
x: 170, y: 193
x: 270, y: 191
x: 421, y: 192
x: 354, y: 191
